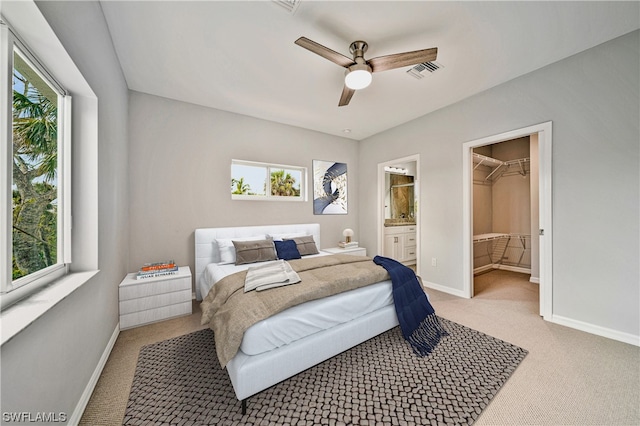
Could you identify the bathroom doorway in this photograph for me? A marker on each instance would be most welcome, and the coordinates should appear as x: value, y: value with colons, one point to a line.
x: 398, y: 213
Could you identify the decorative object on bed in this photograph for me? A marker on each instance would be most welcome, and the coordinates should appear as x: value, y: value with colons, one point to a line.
x: 418, y: 321
x: 306, y: 245
x: 329, y: 187
x: 287, y: 250
x: 270, y: 275
x: 174, y: 382
x: 227, y: 250
x: 254, y: 251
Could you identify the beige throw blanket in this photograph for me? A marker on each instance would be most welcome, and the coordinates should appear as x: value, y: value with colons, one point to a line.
x: 230, y: 311
x: 269, y: 275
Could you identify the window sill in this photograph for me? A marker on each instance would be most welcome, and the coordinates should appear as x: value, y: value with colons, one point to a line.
x: 19, y: 316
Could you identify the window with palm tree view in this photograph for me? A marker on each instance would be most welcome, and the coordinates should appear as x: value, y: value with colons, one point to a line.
x: 35, y: 172
x: 251, y: 181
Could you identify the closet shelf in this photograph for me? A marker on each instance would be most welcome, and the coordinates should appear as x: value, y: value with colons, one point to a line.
x: 520, y: 166
x: 488, y: 237
x: 502, y: 251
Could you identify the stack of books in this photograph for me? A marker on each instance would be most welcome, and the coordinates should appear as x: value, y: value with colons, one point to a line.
x: 158, y: 269
x: 351, y: 244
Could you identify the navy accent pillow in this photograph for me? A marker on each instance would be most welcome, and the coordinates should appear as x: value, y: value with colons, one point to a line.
x: 287, y: 250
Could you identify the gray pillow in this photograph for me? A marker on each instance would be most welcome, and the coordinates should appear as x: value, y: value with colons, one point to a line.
x: 254, y: 251
x: 306, y: 245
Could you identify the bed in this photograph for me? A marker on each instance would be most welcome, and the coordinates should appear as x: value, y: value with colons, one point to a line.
x: 298, y: 337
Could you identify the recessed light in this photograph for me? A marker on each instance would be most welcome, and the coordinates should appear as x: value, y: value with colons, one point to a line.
x: 346, y: 130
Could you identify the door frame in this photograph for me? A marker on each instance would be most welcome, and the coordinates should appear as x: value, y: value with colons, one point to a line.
x: 416, y: 194
x: 544, y: 131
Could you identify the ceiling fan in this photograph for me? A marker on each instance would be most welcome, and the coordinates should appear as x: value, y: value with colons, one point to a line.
x: 358, y: 74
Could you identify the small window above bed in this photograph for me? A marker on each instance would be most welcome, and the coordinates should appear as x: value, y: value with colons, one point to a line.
x: 263, y: 181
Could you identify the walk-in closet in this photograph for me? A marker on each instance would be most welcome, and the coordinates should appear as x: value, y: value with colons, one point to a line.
x: 505, y: 206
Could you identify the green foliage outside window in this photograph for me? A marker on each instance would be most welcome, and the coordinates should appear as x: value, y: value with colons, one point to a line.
x: 283, y: 184
x: 35, y: 162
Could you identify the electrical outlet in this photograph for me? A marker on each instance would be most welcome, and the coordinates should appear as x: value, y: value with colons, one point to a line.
x: 434, y: 262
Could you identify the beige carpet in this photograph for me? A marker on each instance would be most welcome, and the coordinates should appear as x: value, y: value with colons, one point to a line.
x: 568, y: 378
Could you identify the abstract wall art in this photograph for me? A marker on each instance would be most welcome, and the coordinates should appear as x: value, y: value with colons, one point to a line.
x: 329, y: 187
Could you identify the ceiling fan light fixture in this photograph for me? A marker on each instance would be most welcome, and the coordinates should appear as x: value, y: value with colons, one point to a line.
x: 358, y: 76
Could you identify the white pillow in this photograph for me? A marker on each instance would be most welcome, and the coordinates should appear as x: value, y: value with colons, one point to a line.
x: 280, y: 237
x: 227, y: 249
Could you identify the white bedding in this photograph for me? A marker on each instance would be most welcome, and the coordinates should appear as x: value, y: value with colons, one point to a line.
x: 314, y: 316
x: 305, y: 319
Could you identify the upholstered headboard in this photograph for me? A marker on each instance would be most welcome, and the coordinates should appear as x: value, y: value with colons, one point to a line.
x: 207, y: 250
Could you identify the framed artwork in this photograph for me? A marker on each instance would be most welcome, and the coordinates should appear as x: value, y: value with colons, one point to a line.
x: 329, y: 187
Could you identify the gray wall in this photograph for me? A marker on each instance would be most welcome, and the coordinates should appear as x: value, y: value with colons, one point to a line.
x: 46, y: 367
x: 180, y: 169
x: 595, y: 112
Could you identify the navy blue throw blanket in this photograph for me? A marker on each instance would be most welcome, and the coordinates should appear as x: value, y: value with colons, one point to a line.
x: 418, y: 321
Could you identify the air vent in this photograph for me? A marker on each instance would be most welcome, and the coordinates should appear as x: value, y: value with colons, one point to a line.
x: 424, y: 68
x: 289, y: 5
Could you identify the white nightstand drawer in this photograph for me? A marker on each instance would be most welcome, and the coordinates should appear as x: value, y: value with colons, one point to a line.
x: 153, y: 315
x: 156, y: 301
x: 130, y: 288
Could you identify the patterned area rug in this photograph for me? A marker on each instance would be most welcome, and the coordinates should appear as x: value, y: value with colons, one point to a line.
x: 381, y: 382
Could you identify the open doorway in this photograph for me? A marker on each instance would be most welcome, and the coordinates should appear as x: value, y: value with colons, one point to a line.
x: 505, y: 221
x: 398, y: 218
x: 493, y: 237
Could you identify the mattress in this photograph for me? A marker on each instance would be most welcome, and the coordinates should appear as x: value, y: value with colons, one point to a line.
x: 317, y: 315
x: 305, y: 319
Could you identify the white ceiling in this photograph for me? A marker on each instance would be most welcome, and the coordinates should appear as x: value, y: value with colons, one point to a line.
x: 240, y: 56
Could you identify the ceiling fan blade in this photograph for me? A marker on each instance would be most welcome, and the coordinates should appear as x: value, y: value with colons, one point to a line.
x: 325, y: 52
x: 399, y: 60
x: 346, y: 95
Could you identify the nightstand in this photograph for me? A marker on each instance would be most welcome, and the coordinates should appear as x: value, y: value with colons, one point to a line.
x: 155, y: 299
x: 355, y: 251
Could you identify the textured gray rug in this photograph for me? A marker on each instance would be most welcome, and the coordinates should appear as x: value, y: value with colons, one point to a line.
x: 381, y: 382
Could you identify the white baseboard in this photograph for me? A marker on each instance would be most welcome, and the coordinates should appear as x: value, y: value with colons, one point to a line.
x: 484, y: 268
x: 513, y: 269
x: 597, y: 330
x: 88, y: 390
x: 449, y: 290
x: 535, y: 280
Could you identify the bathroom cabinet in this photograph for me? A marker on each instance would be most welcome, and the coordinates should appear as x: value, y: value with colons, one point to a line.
x: 400, y: 243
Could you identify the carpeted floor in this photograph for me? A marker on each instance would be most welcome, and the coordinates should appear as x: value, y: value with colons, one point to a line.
x: 569, y: 377
x: 179, y: 381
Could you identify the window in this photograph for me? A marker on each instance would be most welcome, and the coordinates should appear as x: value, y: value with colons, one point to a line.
x: 261, y: 181
x: 35, y: 154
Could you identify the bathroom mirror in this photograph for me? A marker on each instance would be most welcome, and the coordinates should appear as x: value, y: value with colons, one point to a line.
x: 400, y: 196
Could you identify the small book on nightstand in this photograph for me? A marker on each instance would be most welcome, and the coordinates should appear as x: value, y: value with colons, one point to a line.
x: 352, y: 244
x: 158, y: 269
